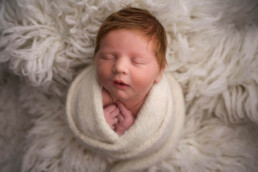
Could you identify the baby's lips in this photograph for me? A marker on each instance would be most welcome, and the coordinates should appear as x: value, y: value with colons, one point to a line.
x: 120, y: 82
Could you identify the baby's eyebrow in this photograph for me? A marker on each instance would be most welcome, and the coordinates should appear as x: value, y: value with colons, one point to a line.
x: 105, y: 53
x: 139, y: 55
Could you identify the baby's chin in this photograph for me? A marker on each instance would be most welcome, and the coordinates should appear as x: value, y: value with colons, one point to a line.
x: 125, y: 96
x: 128, y: 99
x: 117, y: 98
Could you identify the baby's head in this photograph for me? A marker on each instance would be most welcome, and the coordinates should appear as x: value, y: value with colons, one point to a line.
x: 140, y: 20
x: 130, y: 53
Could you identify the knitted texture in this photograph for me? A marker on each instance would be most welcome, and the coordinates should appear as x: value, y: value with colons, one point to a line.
x: 155, y: 131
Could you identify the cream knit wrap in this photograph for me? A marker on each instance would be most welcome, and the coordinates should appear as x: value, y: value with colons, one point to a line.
x: 147, y: 141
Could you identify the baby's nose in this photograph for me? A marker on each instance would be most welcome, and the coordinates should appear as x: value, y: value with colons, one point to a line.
x: 121, y: 65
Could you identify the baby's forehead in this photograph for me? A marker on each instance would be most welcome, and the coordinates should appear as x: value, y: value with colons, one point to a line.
x: 139, y: 32
x: 149, y: 39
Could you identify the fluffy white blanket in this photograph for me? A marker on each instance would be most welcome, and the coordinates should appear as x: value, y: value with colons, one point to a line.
x: 149, y: 140
x: 212, y: 53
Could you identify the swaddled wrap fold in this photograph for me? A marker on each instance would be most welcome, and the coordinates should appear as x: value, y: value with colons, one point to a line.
x: 151, y: 137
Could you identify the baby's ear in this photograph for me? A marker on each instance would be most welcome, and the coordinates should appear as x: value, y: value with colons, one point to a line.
x: 159, y: 76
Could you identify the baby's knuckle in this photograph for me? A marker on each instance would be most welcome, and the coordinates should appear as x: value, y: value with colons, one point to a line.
x: 130, y: 120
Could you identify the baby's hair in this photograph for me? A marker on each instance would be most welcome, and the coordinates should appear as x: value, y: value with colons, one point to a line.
x: 140, y: 20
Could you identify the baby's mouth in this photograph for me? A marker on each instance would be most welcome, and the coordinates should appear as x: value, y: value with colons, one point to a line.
x: 120, y: 84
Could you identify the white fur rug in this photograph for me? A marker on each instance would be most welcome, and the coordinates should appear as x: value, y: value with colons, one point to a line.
x: 212, y: 52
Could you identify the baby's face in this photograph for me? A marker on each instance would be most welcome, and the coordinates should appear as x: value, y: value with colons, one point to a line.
x: 126, y: 64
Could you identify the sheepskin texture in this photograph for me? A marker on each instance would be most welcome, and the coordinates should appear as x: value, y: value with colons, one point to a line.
x: 212, y: 53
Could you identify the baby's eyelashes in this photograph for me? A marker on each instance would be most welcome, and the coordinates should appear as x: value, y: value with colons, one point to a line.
x: 134, y: 60
x: 138, y: 60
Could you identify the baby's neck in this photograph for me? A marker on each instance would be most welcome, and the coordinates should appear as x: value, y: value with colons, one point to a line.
x: 134, y: 105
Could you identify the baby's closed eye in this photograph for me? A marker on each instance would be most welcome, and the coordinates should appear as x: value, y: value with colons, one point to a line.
x: 138, y: 60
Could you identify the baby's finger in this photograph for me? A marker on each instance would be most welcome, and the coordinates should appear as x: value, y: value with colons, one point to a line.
x: 122, y: 108
x: 115, y: 113
x: 119, y: 130
x: 120, y: 117
x: 114, y: 121
x: 110, y: 108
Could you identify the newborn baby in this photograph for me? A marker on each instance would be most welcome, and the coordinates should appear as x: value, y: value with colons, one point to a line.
x: 127, y: 82
x: 129, y: 59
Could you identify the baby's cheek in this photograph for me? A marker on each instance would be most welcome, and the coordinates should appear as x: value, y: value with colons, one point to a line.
x: 144, y: 82
x: 102, y: 75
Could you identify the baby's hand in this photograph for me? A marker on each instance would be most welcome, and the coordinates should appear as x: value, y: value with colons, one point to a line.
x: 111, y: 112
x: 125, y: 119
